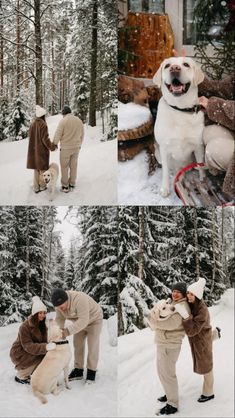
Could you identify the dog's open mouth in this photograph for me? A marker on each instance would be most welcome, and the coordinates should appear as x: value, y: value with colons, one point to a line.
x: 46, y: 181
x: 177, y: 88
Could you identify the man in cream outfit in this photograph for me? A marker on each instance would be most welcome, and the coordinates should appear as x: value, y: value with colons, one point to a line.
x: 70, y: 134
x: 169, y: 334
x: 86, y: 316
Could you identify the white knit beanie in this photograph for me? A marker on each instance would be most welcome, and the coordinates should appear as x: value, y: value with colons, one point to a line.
x: 38, y: 306
x: 40, y: 111
x: 197, y: 288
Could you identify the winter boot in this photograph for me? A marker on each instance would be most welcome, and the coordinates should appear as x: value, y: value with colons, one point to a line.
x: 65, y: 189
x: 23, y: 381
x: 76, y: 374
x: 71, y: 186
x: 219, y: 331
x: 204, y: 398
x: 167, y: 410
x: 162, y: 398
x: 90, y: 377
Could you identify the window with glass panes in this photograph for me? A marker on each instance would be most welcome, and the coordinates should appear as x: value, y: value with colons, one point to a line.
x: 151, y: 6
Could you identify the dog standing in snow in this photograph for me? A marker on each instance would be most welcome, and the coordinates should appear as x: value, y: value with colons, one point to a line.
x: 45, y: 377
x: 50, y: 178
x: 180, y: 120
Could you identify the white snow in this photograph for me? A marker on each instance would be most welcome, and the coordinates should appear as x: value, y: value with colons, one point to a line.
x: 97, y: 400
x: 136, y: 187
x: 96, y: 180
x: 139, y: 386
x: 131, y: 115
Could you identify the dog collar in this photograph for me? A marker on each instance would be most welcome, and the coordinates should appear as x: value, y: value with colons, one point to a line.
x: 60, y: 342
x: 194, y: 109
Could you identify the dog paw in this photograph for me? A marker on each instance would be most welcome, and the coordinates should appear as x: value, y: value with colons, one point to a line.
x: 164, y: 191
x: 68, y: 387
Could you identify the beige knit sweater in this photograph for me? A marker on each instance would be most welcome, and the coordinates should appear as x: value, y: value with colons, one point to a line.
x: 70, y: 132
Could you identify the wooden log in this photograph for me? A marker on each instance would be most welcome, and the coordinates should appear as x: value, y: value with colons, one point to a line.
x: 149, y: 37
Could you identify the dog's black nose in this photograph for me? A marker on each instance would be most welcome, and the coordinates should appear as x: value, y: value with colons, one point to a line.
x: 175, y: 69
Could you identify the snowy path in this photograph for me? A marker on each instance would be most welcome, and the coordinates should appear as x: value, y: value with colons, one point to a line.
x: 98, y: 400
x: 139, y: 386
x: 97, y: 172
x: 136, y: 187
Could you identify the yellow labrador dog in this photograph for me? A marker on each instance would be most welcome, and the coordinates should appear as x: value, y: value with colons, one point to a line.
x: 45, y: 377
x: 180, y: 121
x: 50, y: 177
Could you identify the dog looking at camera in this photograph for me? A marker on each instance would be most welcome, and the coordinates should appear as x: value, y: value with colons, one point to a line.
x: 50, y: 178
x: 180, y: 120
x: 45, y: 377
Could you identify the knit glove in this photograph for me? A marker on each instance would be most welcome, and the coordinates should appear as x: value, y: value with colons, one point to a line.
x: 50, y: 346
x: 65, y: 333
x: 182, y: 310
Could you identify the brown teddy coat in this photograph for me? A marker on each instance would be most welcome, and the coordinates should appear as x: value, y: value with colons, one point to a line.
x: 221, y: 110
x: 39, y: 146
x: 29, y: 347
x: 198, y: 330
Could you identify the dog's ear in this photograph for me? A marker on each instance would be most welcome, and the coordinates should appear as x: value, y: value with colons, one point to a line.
x: 157, y: 78
x: 198, y: 74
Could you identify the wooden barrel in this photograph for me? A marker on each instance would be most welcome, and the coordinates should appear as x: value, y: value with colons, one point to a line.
x: 149, y: 39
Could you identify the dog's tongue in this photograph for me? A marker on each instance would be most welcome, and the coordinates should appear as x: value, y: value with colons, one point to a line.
x: 177, y: 88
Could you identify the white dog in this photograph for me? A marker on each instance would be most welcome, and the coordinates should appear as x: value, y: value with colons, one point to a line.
x: 50, y: 177
x: 161, y: 311
x: 180, y: 122
x: 45, y: 377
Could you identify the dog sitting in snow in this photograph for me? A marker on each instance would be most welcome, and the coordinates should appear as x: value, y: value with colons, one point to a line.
x: 161, y: 311
x: 44, y: 379
x: 50, y: 177
x: 180, y: 120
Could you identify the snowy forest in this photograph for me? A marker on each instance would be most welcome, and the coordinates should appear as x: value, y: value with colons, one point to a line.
x: 126, y: 258
x: 33, y: 260
x: 54, y: 53
x: 159, y: 246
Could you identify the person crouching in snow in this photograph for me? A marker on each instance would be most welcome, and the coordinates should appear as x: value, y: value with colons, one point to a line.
x: 169, y: 333
x: 87, y: 318
x: 39, y: 149
x: 198, y: 329
x: 31, y: 344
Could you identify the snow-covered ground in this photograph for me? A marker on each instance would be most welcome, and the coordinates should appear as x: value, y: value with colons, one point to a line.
x: 96, y: 180
x: 98, y: 400
x: 139, y: 385
x: 136, y: 187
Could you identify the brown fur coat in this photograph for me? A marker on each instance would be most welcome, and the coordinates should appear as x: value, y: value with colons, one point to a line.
x: 39, y: 146
x: 30, y: 345
x: 221, y: 110
x: 198, y: 330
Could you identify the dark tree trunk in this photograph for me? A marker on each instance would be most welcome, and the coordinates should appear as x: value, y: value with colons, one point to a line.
x: 93, y: 70
x: 38, y: 51
x: 1, y: 49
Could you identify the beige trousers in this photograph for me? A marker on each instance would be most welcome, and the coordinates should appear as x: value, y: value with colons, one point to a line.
x: 38, y: 181
x: 166, y: 368
x: 208, y: 383
x: 25, y: 373
x: 219, y: 143
x: 92, y: 334
x: 68, y: 164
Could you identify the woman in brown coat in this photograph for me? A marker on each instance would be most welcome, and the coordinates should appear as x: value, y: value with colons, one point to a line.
x: 217, y: 98
x: 198, y: 329
x: 39, y: 149
x: 31, y: 344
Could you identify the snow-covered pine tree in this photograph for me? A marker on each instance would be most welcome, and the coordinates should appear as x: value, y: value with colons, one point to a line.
x: 166, y: 248
x: 57, y: 263
x: 70, y: 267
x: 8, y: 289
x: 135, y: 296
x: 203, y: 252
x: 3, y: 116
x: 17, y: 123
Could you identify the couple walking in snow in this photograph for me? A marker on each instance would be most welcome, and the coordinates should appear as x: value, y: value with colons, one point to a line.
x: 31, y: 344
x: 190, y: 315
x: 70, y: 134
